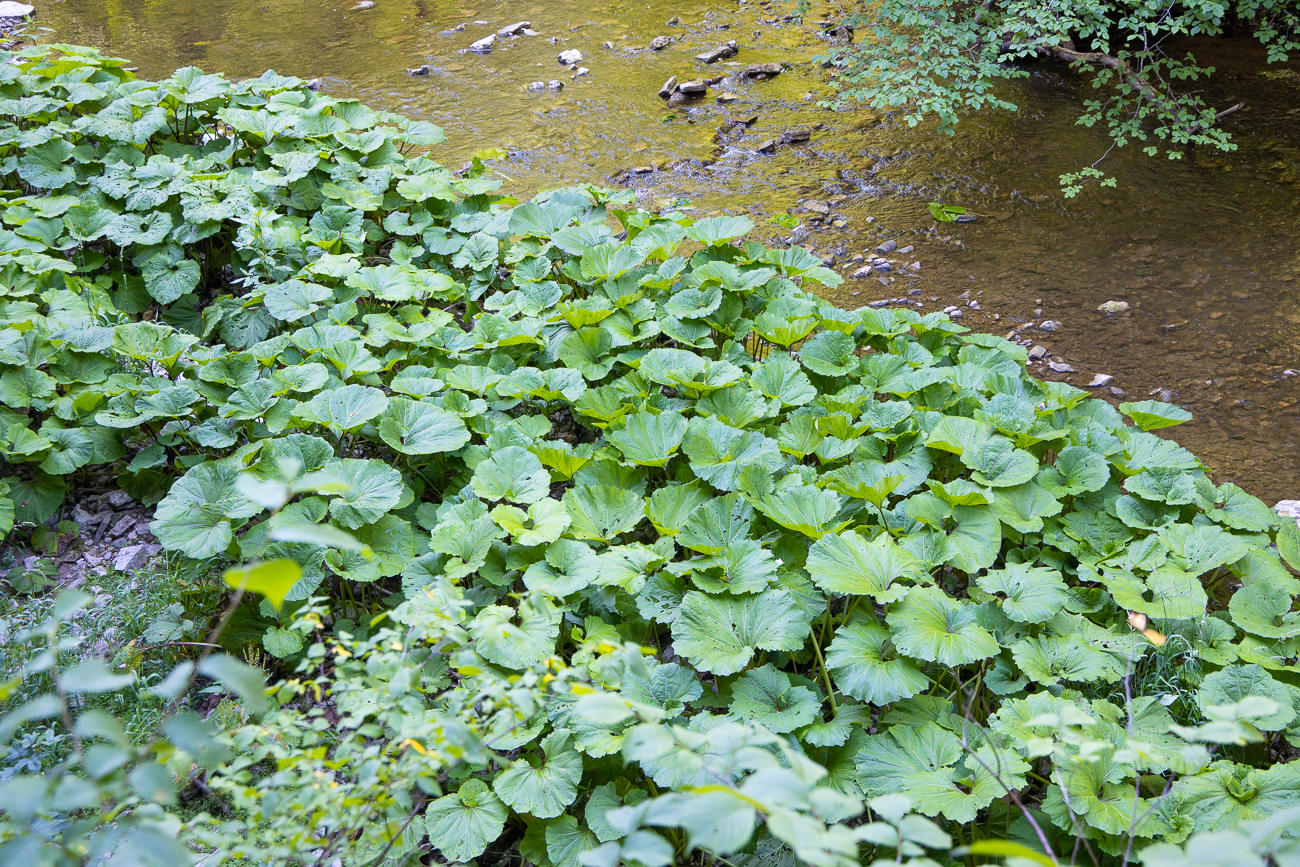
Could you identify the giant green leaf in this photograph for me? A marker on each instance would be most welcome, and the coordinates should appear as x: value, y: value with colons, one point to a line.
x: 929, y: 624
x: 196, y: 516
x: 413, y: 427
x: 867, y: 666
x: 847, y: 563
x: 721, y: 633
x: 544, y: 789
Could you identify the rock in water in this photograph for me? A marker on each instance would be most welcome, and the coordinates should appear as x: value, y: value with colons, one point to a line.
x: 697, y: 87
x: 763, y: 70
x: 659, y: 43
x: 1111, y: 307
x: 514, y: 29
x: 484, y: 45
x: 421, y: 70
x: 1289, y: 509
x: 10, y: 9
x: 719, y: 53
x: 570, y: 57
x: 1060, y: 367
x: 1100, y: 379
x: 669, y: 88
x: 364, y: 5
x: 887, y: 247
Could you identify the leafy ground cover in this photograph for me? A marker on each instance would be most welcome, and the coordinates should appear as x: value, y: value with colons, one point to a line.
x: 583, y: 535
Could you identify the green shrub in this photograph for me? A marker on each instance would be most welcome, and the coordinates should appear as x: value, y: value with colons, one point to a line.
x: 655, y: 544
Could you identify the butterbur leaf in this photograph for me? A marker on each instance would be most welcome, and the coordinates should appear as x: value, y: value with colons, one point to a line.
x: 1241, y: 511
x: 546, y: 789
x: 416, y: 428
x: 1263, y: 608
x: 542, y: 524
x: 804, y: 509
x: 1235, y: 683
x: 1154, y: 414
x: 721, y: 634
x: 601, y: 513
x: 196, y: 516
x: 372, y: 488
x: 512, y: 473
x: 347, y: 408
x: 929, y: 624
x: 649, y: 440
x: 462, y: 824
x: 1078, y: 470
x: 868, y: 667
x: 567, y: 841
x: 517, y: 645
x: 846, y: 563
x: 1028, y: 594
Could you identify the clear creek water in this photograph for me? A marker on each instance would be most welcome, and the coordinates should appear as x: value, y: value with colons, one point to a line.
x: 1206, y: 251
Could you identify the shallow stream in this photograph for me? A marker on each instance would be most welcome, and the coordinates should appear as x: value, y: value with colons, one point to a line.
x: 1205, y: 251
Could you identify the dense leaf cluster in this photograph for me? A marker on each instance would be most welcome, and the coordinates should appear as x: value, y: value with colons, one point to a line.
x: 944, y: 58
x: 784, y: 557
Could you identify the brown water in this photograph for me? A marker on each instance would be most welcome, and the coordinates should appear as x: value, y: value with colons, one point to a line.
x: 1205, y: 251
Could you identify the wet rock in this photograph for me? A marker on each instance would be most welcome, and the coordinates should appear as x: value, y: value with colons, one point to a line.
x: 883, y: 267
x: 915, y: 266
x: 313, y: 84
x: 839, y: 224
x: 534, y: 86
x: 1290, y: 372
x: 10, y: 9
x: 675, y: 21
x: 1037, y: 353
x: 1060, y: 367
x: 1118, y: 392
x: 747, y: 120
x: 767, y: 147
x: 698, y: 87
x: 795, y: 136
x: 863, y: 272
x: 555, y: 84
x: 642, y: 170
x: 608, y: 46
x: 659, y: 43
x: 815, y: 206
x: 669, y: 87
x: 132, y: 557
x: 1049, y: 325
x: 1100, y: 379
x: 359, y: 7
x: 903, y: 251
x: 528, y: 31
x: 570, y: 57
x: 953, y: 312
x: 973, y: 305
x: 1112, y: 307
x: 725, y: 98
x: 580, y: 71
x: 484, y: 45
x: 1289, y: 509
x: 515, y: 29
x: 722, y: 52
x: 763, y: 71
x: 421, y: 71
x: 887, y: 247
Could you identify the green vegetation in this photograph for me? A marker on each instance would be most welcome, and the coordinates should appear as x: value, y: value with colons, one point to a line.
x: 584, y: 548
x: 944, y: 58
